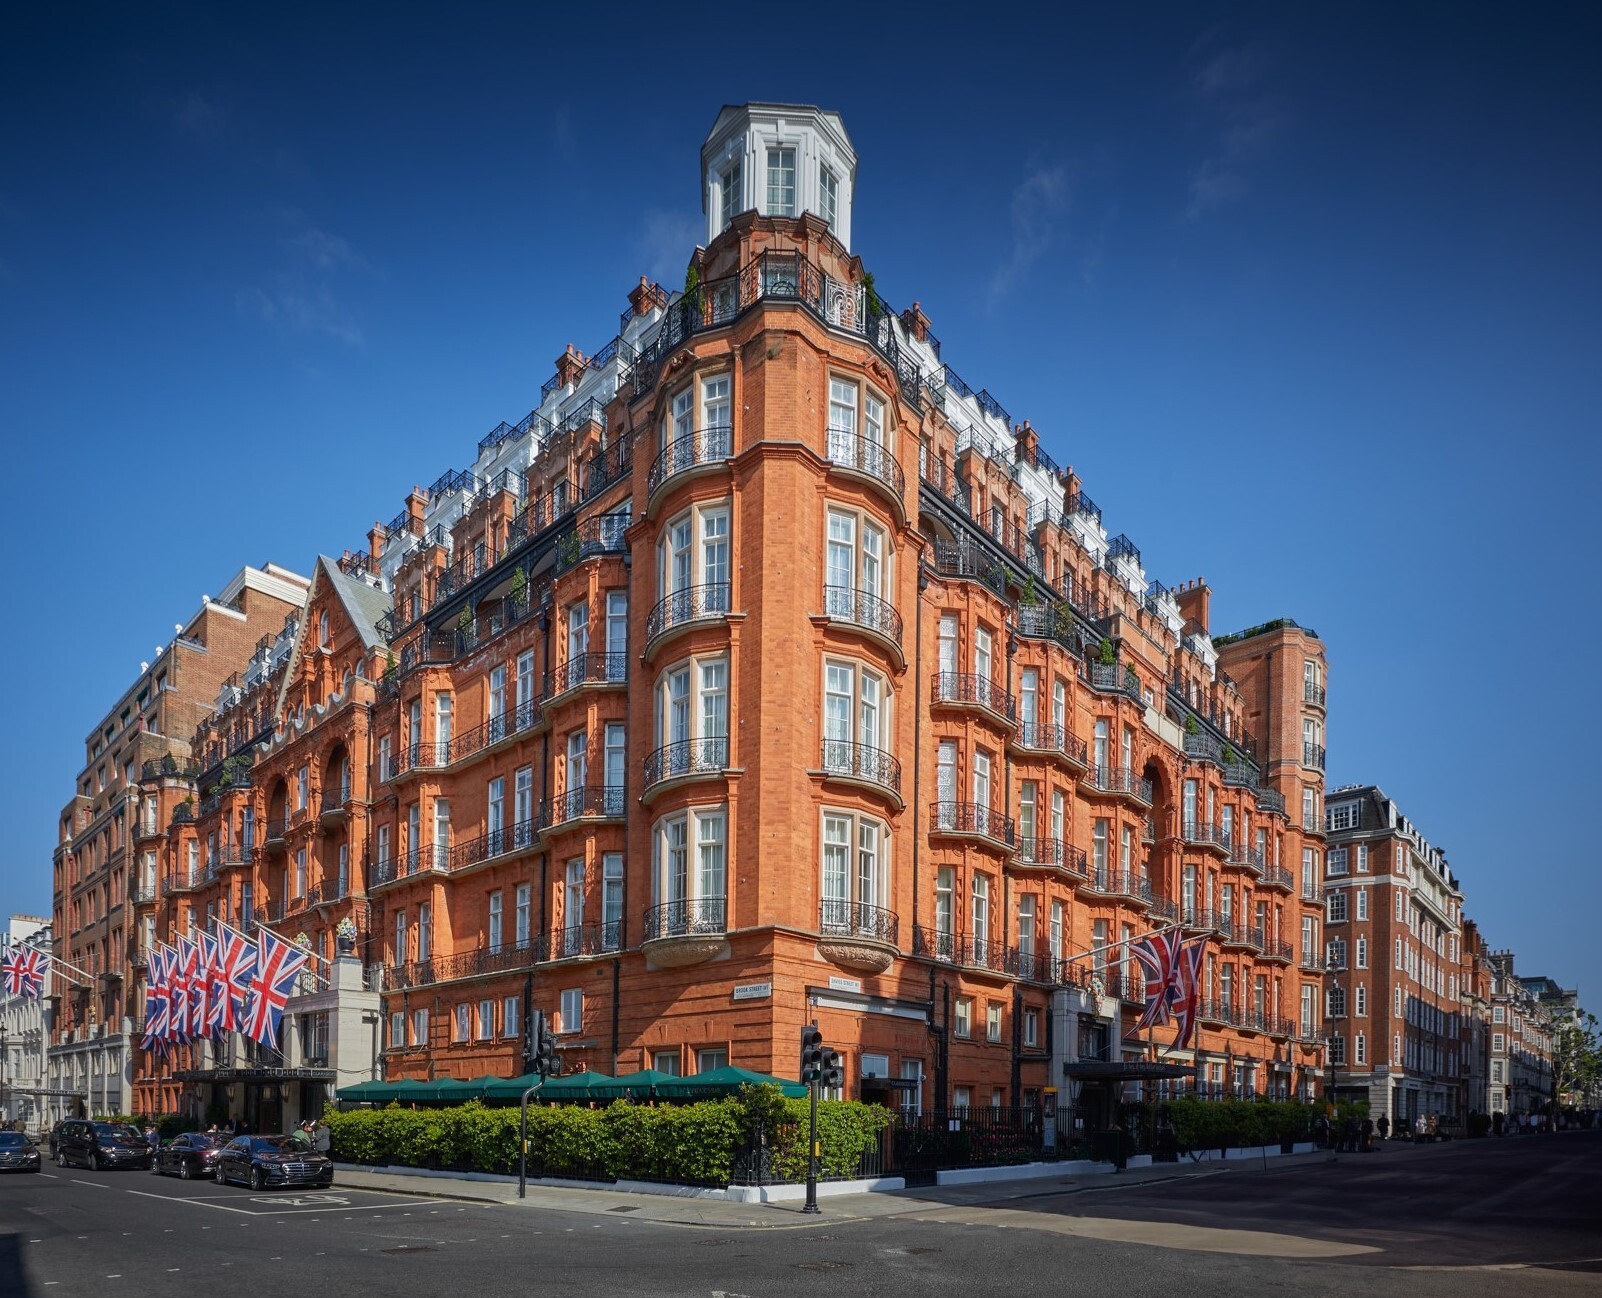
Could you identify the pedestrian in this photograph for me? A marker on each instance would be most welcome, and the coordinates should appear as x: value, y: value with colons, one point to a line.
x: 1384, y: 1125
x: 152, y: 1138
x: 301, y: 1137
x: 1498, y: 1122
x: 322, y: 1137
x: 1368, y: 1135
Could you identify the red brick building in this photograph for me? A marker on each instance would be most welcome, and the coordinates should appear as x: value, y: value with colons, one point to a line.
x: 766, y: 671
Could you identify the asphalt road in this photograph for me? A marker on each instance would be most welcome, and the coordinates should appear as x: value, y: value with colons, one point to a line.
x: 1359, y: 1223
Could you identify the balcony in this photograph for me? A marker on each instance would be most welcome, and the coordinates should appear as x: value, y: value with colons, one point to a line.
x: 856, y: 454
x: 327, y: 891
x: 971, y: 820
x: 1271, y: 800
x: 510, y: 957
x: 862, y: 764
x: 1164, y: 908
x: 332, y: 813
x: 970, y: 562
x: 420, y: 860
x: 687, y: 932
x: 592, y: 539
x: 142, y: 895
x: 708, y: 449
x: 1313, y: 892
x: 1051, y: 853
x: 1250, y: 858
x: 1109, y: 882
x: 506, y: 841
x: 1313, y: 694
x: 586, y: 802
x: 865, y: 612
x: 481, y: 739
x: 1277, y: 876
x: 693, y: 604
x: 857, y: 936
x: 966, y: 689
x: 1235, y: 932
x: 1117, y: 782
x: 586, y: 669
x: 1057, y: 740
x: 1313, y: 825
x: 1116, y: 678
x: 1201, y: 833
x: 1278, y: 951
x: 960, y: 949
x: 575, y: 941
x: 181, y: 881
x: 1310, y: 961
x: 687, y: 759
x: 1313, y: 755
x: 421, y: 756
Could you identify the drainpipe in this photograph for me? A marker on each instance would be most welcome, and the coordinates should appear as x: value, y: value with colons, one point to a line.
x: 617, y: 974
x: 917, y: 753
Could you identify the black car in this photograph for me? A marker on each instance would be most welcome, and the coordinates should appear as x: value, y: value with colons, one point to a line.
x: 191, y: 1155
x: 263, y: 1162
x: 18, y: 1153
x: 101, y: 1145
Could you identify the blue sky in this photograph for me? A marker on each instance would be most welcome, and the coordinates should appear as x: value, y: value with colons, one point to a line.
x: 1308, y: 296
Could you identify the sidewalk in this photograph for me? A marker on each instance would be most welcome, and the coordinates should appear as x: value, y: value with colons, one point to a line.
x: 685, y: 1209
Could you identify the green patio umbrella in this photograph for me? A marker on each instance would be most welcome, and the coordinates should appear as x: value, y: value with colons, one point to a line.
x: 373, y: 1092
x: 452, y: 1090
x: 718, y: 1082
x: 511, y: 1088
x: 574, y: 1087
x: 632, y: 1086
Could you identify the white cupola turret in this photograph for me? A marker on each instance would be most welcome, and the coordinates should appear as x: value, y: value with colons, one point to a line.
x: 782, y: 160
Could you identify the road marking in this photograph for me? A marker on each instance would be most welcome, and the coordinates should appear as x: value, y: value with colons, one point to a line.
x: 99, y: 1185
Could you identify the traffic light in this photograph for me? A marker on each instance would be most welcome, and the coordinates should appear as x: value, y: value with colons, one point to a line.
x: 832, y: 1075
x: 811, y: 1054
x: 541, y: 1048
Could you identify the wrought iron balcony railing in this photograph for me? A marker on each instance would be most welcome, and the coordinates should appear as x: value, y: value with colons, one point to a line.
x: 584, y: 802
x: 1050, y: 737
x: 692, y: 450
x: 1313, y: 755
x: 1037, y: 851
x: 461, y: 964
x: 970, y: 818
x: 572, y: 941
x: 1113, y: 882
x: 1116, y: 678
x: 586, y: 669
x: 1277, y: 876
x: 701, y: 916
x: 517, y: 837
x: 863, y: 610
x: 840, y: 918
x: 592, y: 538
x: 687, y: 757
x: 851, y: 451
x: 1119, y: 780
x: 971, y: 688
x: 692, y: 604
x: 862, y: 762
x: 959, y: 948
x: 1271, y: 800
x: 1313, y: 694
x: 1204, y: 834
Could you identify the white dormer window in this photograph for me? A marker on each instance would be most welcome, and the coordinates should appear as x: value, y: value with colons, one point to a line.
x: 729, y: 198
x: 828, y: 194
x: 781, y: 182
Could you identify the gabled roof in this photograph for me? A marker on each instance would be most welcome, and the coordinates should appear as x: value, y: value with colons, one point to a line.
x: 365, y: 605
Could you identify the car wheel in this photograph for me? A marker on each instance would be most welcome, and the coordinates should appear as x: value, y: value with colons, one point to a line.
x: 256, y: 1180
x: 185, y: 1172
x: 61, y: 1158
x: 220, y: 1176
x: 94, y: 1162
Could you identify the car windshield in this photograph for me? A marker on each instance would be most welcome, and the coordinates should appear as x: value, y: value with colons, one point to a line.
x: 270, y: 1143
x: 10, y: 1139
x: 117, y: 1131
x: 210, y: 1139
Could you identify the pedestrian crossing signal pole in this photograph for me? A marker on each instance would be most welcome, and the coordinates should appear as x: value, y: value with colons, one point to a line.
x: 812, y: 1065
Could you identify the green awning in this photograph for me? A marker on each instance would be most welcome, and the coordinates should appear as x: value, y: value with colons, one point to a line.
x: 632, y: 1086
x: 451, y: 1090
x: 718, y: 1082
x: 511, y: 1088
x: 373, y: 1092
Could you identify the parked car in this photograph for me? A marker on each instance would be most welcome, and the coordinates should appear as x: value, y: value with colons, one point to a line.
x: 190, y: 1155
x: 18, y: 1153
x: 264, y: 1162
x: 100, y: 1145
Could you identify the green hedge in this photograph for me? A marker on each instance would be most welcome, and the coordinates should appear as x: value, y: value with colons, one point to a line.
x: 692, y: 1144
x: 1233, y: 1124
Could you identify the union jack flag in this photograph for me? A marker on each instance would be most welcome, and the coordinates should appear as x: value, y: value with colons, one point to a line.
x: 26, y: 969
x: 278, y: 964
x: 1159, y: 956
x: 158, y: 1015
x: 179, y: 965
x: 236, y: 962
x: 1186, y: 1001
x: 200, y: 985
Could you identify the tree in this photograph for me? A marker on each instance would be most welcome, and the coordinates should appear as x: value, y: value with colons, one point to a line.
x: 1577, y: 1059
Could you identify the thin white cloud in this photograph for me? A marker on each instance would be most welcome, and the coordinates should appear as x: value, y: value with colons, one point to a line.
x: 1040, y: 205
x: 666, y: 241
x: 1247, y: 121
x: 299, y: 296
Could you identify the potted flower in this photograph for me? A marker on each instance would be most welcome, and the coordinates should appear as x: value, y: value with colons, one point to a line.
x: 345, y: 933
